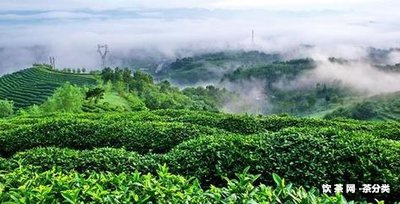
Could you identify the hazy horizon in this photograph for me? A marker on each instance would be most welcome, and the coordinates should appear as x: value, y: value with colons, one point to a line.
x: 31, y: 31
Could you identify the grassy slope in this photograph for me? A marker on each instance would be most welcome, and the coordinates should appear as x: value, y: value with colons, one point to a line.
x: 115, y: 100
x: 35, y: 85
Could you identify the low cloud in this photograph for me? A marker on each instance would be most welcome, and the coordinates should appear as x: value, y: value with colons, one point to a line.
x: 71, y: 33
x: 252, y: 98
x: 394, y: 57
x: 358, y: 75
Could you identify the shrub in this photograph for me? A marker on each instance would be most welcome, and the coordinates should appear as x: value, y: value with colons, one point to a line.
x: 303, y: 156
x: 6, y: 108
x: 143, y: 137
x: 23, y: 185
x: 360, y: 111
x: 67, y: 98
x: 305, y: 151
x: 99, y: 159
x: 134, y: 102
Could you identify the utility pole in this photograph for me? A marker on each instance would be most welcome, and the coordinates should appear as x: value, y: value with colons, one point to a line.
x: 103, y: 51
x: 252, y: 37
x: 52, y: 62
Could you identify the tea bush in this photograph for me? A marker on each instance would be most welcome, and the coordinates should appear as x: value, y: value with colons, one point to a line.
x: 99, y: 159
x: 232, y: 123
x: 306, y: 157
x: 208, y: 146
x: 300, y: 155
x: 25, y: 186
x: 142, y: 137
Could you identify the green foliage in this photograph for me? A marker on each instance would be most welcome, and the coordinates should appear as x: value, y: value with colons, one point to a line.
x: 98, y: 159
x: 285, y: 93
x: 211, y: 66
x: 33, y: 86
x: 359, y: 111
x: 6, y: 108
x: 134, y: 102
x: 209, y: 146
x: 210, y: 96
x: 162, y: 95
x: 95, y: 94
x: 67, y: 98
x: 384, y: 107
x: 24, y: 185
x: 272, y: 72
x: 364, y: 111
x: 82, y: 134
x: 303, y: 156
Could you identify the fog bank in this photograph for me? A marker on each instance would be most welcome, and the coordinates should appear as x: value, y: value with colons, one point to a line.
x: 71, y: 34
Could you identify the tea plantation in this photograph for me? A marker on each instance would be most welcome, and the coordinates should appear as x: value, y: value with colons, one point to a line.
x: 180, y: 156
x: 35, y: 85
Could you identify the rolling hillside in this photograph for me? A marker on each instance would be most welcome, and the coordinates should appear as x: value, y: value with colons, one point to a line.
x: 384, y: 107
x: 36, y: 84
x: 211, y: 67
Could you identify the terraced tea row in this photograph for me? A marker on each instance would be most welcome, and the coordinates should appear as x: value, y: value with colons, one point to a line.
x: 35, y: 85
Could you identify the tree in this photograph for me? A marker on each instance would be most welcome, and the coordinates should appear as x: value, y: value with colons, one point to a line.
x: 134, y: 102
x: 120, y: 86
x: 118, y: 74
x: 68, y: 98
x: 83, y: 70
x: 364, y: 111
x: 165, y: 86
x: 78, y: 71
x: 107, y: 74
x: 127, y: 75
x: 6, y: 108
x: 141, y: 81
x: 95, y: 94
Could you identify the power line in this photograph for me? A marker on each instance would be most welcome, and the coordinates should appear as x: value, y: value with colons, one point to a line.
x: 252, y: 36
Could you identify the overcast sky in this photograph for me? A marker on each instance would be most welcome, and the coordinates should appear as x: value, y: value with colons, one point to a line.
x: 208, y: 4
x: 32, y: 30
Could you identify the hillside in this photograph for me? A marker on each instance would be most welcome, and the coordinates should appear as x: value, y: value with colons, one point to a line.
x: 211, y: 67
x: 36, y: 84
x: 384, y: 107
x: 278, y: 82
x: 130, y: 139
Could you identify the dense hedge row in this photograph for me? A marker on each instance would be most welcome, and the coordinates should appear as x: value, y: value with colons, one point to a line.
x: 245, y: 124
x: 241, y: 124
x: 142, y: 137
x: 99, y: 159
x: 57, y: 187
x: 304, y: 156
x: 307, y: 152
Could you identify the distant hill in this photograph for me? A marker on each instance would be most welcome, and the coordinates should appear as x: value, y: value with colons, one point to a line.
x: 380, y: 107
x: 212, y: 66
x: 36, y: 84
